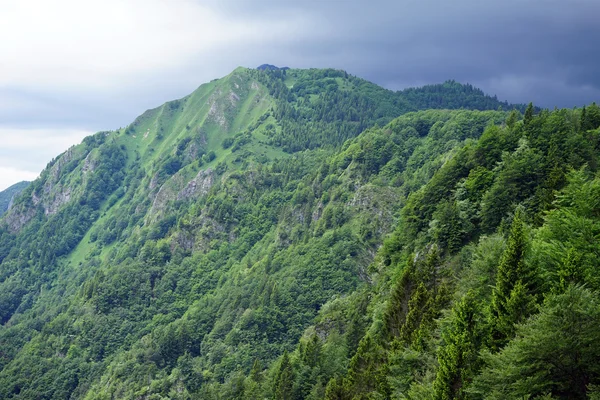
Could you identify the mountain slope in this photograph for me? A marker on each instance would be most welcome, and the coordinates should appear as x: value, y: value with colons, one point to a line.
x: 184, y: 254
x: 7, y: 195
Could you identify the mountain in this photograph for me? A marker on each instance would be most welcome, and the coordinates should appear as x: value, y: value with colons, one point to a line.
x: 7, y: 195
x: 307, y: 234
x: 269, y: 67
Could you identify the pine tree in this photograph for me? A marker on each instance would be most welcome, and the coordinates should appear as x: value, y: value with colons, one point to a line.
x: 528, y: 114
x: 512, y: 119
x: 284, y: 380
x: 367, y: 370
x: 418, y: 305
x: 335, y: 389
x: 256, y: 371
x: 458, y: 358
x: 512, y: 298
x: 252, y: 384
x: 570, y: 270
x: 556, y: 352
x: 311, y: 351
x: 584, y: 122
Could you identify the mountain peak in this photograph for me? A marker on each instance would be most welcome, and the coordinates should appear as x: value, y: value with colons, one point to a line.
x: 269, y: 67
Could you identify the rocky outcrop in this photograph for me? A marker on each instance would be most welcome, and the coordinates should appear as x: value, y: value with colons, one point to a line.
x: 56, y: 170
x: 216, y: 112
x: 61, y: 197
x: 89, y: 164
x: 167, y: 192
x: 199, y: 186
x: 16, y: 219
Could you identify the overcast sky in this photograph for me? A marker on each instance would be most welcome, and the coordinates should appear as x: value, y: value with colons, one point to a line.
x: 69, y: 68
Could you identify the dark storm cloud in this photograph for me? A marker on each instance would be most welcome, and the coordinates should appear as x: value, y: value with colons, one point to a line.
x: 540, y: 50
x: 529, y: 50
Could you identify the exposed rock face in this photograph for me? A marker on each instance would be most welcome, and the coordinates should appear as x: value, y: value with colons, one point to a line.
x: 376, y: 202
x: 166, y: 193
x: 11, y: 202
x: 233, y: 97
x: 62, y: 197
x: 318, y: 211
x: 154, y: 182
x: 199, y: 186
x: 56, y: 169
x: 89, y: 164
x: 18, y: 218
x: 216, y: 113
x: 52, y: 196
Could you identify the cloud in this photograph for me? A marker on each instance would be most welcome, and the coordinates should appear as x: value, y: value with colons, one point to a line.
x: 101, y: 45
x: 10, y: 176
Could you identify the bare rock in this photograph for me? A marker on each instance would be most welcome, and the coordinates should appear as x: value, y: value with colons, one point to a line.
x: 199, y: 186
x: 18, y: 218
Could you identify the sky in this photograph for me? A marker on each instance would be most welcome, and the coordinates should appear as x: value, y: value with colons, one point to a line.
x: 69, y: 68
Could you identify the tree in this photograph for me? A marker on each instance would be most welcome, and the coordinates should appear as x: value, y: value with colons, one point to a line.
x: 528, y: 114
x: 512, y: 297
x: 284, y: 379
x: 556, y: 352
x: 459, y: 357
x: 447, y: 226
x: 512, y: 119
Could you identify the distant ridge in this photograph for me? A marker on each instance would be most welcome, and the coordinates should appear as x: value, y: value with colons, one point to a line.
x: 7, y: 195
x: 269, y: 67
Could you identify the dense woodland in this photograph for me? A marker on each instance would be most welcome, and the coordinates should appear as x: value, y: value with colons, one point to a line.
x: 305, y: 234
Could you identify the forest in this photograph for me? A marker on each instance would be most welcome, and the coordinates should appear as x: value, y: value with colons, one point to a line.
x: 306, y: 234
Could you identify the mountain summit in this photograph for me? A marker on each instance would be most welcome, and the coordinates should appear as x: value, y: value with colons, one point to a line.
x: 269, y: 67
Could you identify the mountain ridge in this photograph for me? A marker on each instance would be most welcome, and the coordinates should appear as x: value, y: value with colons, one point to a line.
x: 281, y: 234
x: 7, y: 195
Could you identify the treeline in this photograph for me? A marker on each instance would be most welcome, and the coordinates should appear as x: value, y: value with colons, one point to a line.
x: 324, y: 108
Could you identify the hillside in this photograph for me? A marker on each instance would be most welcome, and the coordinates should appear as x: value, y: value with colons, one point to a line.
x: 9, y: 193
x: 304, y: 234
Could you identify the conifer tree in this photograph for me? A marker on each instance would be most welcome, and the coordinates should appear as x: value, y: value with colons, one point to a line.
x: 284, y: 380
x: 528, y: 114
x: 512, y: 119
x: 256, y: 371
x: 252, y: 384
x: 458, y: 358
x: 556, y: 353
x: 570, y: 270
x: 512, y: 298
x: 584, y: 122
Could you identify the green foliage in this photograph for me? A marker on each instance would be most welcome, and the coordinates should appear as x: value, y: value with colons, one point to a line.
x: 458, y: 356
x: 284, y: 380
x: 193, y: 256
x: 555, y: 353
x: 513, y: 296
x: 324, y: 108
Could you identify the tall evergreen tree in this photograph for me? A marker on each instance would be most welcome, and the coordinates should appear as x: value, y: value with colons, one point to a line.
x: 458, y: 358
x: 284, y: 380
x: 512, y: 298
x: 528, y: 114
x: 556, y: 353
